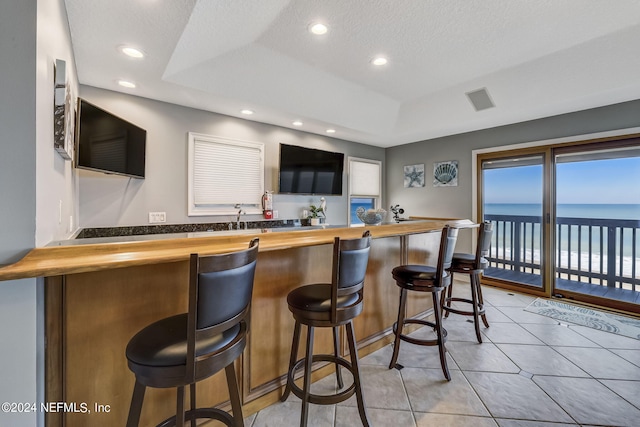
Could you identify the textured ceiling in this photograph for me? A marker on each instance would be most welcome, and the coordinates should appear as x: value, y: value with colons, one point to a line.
x: 535, y: 58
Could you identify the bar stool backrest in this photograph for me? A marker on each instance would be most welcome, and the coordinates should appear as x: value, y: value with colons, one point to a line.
x: 224, y: 284
x: 484, y: 241
x: 220, y: 289
x: 350, y: 260
x: 447, y: 248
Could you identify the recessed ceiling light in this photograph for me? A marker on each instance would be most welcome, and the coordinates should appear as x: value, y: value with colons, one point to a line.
x: 331, y: 131
x: 247, y: 112
x: 318, y: 29
x: 379, y: 61
x: 127, y: 84
x: 297, y: 123
x: 132, y: 52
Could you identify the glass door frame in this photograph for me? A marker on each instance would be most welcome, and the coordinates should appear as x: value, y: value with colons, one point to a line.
x: 628, y: 141
x: 546, y: 261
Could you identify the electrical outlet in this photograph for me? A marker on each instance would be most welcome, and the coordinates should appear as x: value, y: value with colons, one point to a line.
x: 276, y: 214
x: 156, y: 217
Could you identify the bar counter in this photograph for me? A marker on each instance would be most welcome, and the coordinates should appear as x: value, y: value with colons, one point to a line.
x: 100, y: 292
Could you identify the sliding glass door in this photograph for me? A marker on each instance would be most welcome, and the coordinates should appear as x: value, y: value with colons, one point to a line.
x: 566, y: 220
x: 597, y: 230
x: 513, y: 201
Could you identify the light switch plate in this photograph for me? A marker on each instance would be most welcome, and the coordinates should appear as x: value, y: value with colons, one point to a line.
x: 157, y: 217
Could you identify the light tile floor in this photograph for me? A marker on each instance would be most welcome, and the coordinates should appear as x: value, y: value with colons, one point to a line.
x: 530, y: 371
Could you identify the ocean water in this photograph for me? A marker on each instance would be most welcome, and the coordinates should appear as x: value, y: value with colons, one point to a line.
x: 568, y: 251
x: 604, y: 211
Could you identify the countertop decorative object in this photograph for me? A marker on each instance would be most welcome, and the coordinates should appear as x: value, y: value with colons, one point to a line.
x: 397, y: 211
x: 316, y: 212
x: 371, y: 216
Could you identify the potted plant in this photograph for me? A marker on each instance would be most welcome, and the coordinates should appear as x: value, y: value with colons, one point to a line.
x: 315, y: 213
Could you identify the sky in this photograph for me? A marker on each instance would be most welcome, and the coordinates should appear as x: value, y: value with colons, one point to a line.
x: 614, y: 181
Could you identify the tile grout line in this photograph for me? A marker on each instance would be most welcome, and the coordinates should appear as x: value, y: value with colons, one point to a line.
x: 406, y: 393
x: 544, y: 391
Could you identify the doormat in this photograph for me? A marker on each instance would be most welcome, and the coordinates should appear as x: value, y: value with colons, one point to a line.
x: 603, y: 321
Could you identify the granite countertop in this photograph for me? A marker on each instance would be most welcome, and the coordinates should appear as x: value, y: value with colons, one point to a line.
x: 139, y: 230
x: 144, y: 233
x: 180, y: 235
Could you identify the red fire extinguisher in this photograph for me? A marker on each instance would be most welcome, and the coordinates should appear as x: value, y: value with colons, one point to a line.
x: 267, y: 205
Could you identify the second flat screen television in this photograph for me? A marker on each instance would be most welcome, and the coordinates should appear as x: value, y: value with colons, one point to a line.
x: 310, y: 171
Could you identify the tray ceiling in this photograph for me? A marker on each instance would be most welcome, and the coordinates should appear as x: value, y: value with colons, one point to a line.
x: 535, y: 59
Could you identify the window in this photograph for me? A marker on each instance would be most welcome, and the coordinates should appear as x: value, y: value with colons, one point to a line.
x: 224, y: 173
x: 365, y: 186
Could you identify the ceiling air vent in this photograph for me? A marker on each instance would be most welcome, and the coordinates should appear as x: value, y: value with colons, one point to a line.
x: 480, y: 99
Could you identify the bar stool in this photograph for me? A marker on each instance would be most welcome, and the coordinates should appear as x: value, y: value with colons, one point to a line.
x: 181, y: 350
x: 330, y: 305
x: 424, y: 278
x: 474, y: 266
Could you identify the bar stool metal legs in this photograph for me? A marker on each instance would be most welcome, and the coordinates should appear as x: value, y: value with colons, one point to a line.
x: 353, y: 351
x: 441, y: 333
x: 306, y: 363
x: 336, y: 352
x: 476, y: 301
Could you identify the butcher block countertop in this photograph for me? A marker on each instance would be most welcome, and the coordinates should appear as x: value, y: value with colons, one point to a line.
x: 85, y: 255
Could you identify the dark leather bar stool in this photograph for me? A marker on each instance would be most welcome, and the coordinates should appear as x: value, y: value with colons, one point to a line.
x: 181, y: 350
x: 330, y: 305
x: 425, y: 278
x: 474, y: 266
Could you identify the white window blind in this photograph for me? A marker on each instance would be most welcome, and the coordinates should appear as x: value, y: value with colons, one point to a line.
x: 224, y: 172
x: 365, y: 177
x: 365, y: 186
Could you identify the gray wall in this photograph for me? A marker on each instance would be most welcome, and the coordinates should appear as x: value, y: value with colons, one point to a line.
x: 457, y: 201
x: 18, y: 204
x: 110, y: 200
x: 36, y: 185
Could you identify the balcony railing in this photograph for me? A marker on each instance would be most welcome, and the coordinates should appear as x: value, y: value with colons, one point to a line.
x: 602, y: 252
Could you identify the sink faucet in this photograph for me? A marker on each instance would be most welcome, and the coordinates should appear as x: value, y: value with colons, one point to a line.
x: 240, y: 212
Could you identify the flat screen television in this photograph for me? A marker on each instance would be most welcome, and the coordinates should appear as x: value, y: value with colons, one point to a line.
x: 107, y: 143
x: 310, y: 171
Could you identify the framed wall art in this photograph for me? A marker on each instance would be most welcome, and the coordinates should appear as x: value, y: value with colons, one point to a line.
x: 445, y: 174
x: 414, y: 176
